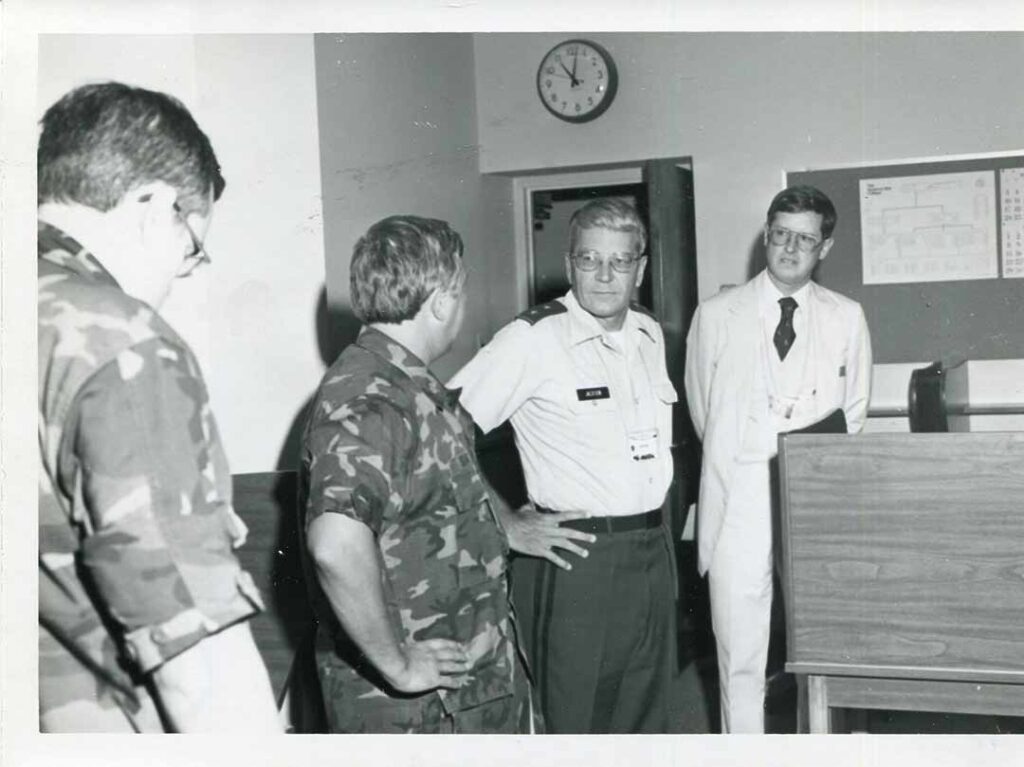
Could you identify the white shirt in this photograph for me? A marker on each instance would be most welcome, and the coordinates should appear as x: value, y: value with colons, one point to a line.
x: 783, y: 397
x: 591, y: 410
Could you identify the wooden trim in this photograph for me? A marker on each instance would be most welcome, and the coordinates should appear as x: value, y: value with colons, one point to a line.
x: 910, y: 161
x: 787, y: 561
x: 907, y: 672
x: 925, y: 695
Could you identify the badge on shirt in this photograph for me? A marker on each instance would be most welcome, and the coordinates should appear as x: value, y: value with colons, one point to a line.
x: 842, y: 371
x: 592, y: 392
x: 643, y: 444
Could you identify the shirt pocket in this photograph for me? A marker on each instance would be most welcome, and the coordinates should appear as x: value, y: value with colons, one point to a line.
x: 355, y: 705
x: 480, y: 563
x: 468, y: 489
x: 666, y: 392
x: 593, y: 408
x: 478, y: 537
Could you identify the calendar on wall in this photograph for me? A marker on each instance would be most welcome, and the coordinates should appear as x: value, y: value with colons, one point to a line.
x: 1012, y: 216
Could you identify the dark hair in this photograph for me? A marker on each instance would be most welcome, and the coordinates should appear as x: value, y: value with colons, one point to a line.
x: 398, y: 263
x: 607, y: 213
x: 101, y: 141
x: 805, y: 199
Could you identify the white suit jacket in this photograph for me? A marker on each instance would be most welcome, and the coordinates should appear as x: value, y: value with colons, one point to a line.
x: 720, y: 348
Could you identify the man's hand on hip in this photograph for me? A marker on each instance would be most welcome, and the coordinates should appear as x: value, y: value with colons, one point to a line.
x: 539, y: 534
x: 431, y: 664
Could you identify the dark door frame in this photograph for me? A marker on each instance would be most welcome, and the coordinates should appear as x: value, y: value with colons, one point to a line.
x: 523, y: 187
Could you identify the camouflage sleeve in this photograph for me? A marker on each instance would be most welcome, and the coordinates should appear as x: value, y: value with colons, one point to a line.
x: 360, y: 461
x: 158, y: 525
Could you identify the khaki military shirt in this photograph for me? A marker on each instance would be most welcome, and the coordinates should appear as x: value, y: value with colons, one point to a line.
x: 136, y: 525
x: 592, y: 410
x: 386, y: 444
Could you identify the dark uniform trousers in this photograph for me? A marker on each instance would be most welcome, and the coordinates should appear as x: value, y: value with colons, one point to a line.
x: 601, y: 638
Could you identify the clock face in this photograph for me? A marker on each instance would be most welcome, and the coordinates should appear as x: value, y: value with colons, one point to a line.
x: 577, y: 80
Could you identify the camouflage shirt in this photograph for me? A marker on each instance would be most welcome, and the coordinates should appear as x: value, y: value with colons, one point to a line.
x: 136, y: 526
x: 388, y: 445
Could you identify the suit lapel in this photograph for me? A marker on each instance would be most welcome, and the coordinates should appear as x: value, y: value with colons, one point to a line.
x: 745, y: 329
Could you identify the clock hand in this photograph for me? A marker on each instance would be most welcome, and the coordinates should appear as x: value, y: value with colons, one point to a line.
x: 574, y: 57
x: 572, y: 75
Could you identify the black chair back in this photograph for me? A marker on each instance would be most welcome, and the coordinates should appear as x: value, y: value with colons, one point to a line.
x: 927, y: 406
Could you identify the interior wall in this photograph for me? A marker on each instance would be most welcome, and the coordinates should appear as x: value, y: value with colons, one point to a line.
x: 749, y: 106
x: 251, y: 315
x: 407, y: 123
x: 398, y: 134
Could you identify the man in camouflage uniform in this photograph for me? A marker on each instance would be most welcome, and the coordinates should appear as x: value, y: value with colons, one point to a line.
x: 415, y: 631
x: 142, y: 603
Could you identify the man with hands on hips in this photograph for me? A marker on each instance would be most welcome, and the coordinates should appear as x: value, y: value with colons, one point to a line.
x: 584, y: 383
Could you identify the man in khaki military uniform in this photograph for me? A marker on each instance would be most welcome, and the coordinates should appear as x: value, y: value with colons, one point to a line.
x: 583, y: 381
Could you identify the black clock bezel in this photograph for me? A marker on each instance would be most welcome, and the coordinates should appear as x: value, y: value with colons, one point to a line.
x: 613, y: 82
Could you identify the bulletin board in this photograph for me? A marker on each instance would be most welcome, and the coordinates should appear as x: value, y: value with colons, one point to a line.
x: 937, y: 261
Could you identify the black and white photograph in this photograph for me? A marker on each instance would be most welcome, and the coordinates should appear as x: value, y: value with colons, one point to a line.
x: 579, y: 383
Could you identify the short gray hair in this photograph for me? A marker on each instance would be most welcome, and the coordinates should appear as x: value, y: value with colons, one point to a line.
x: 607, y: 213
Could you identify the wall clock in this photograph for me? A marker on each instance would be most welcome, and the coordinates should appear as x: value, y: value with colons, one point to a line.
x: 577, y: 80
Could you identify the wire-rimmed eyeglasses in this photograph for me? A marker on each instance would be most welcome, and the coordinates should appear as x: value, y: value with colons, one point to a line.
x: 199, y: 254
x: 590, y: 260
x: 780, y: 236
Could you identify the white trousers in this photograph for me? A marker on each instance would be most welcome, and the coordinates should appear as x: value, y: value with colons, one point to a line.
x: 740, y: 585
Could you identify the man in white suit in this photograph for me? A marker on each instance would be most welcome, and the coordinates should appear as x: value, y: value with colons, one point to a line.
x: 776, y: 354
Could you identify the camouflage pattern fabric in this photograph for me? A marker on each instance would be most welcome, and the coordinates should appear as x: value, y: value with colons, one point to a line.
x: 426, y: 714
x: 388, y: 445
x: 136, y: 526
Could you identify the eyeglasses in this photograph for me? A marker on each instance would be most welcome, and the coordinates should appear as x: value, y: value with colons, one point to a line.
x: 198, y: 255
x: 590, y: 260
x: 805, y: 243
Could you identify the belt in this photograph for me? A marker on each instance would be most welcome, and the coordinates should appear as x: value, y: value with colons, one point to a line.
x: 619, y: 524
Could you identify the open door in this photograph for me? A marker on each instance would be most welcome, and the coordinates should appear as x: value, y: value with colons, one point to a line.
x: 673, y: 279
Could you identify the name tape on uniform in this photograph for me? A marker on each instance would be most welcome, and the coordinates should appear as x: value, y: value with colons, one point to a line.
x: 593, y: 392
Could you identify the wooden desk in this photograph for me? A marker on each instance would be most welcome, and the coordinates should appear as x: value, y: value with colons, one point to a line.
x: 903, y: 571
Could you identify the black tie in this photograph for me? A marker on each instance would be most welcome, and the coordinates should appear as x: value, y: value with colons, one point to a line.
x: 784, y: 333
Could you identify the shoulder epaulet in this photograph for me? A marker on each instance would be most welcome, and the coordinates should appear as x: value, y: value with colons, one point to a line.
x: 641, y: 309
x: 535, y: 314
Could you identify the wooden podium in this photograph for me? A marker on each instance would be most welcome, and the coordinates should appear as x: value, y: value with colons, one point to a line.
x: 903, y: 571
